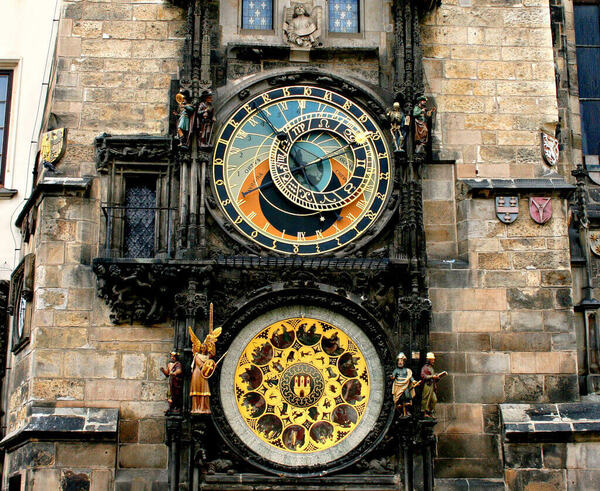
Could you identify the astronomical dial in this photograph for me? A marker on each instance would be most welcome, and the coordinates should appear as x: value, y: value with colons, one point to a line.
x: 301, y: 170
x: 301, y: 389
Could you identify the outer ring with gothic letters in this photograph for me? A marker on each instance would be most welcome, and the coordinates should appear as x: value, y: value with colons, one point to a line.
x: 352, y: 221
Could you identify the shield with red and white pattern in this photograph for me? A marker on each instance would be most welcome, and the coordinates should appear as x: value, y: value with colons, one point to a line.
x: 550, y: 149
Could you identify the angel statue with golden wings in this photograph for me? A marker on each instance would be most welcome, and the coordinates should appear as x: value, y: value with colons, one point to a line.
x: 203, y: 367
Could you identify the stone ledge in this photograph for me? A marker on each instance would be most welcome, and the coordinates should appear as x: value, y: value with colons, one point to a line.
x: 550, y: 422
x: 469, y: 483
x: 53, y: 185
x: 486, y: 187
x: 45, y: 422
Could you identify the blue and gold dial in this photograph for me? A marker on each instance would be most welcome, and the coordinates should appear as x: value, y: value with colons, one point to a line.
x: 301, y: 170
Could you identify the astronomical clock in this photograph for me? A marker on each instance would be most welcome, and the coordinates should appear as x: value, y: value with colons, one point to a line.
x: 301, y: 169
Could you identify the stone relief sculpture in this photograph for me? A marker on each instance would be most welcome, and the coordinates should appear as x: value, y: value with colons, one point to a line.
x: 302, y: 24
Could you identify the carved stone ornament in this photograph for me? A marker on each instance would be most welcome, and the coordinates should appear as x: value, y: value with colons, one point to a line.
x: 540, y: 209
x: 550, y: 149
x: 302, y: 24
x: 52, y: 148
x: 507, y: 208
x: 595, y: 242
x: 135, y: 148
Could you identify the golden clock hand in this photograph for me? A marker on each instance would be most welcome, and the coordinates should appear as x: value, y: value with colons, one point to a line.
x: 280, y: 134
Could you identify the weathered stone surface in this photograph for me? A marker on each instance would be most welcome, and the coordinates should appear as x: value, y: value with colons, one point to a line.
x: 133, y: 366
x: 91, y: 364
x: 111, y: 390
x: 152, y: 431
x: 554, y: 455
x: 530, y: 298
x: 479, y: 388
x: 521, y: 342
x: 524, y: 388
x: 143, y: 455
x: 488, y: 363
x: 562, y: 388
x: 542, y: 480
x: 53, y: 389
x: 526, y: 321
x: 464, y: 418
x: 523, y: 455
x: 86, y: 454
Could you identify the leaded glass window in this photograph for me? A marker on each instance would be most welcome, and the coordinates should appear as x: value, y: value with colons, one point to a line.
x: 140, y: 209
x: 257, y: 14
x: 343, y: 16
x: 587, y: 38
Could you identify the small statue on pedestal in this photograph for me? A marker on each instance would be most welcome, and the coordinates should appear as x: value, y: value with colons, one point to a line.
x: 174, y: 371
x: 300, y: 27
x: 186, y: 110
x: 429, y: 379
x: 398, y: 126
x: 421, y: 114
x: 206, y: 119
x: 403, y: 389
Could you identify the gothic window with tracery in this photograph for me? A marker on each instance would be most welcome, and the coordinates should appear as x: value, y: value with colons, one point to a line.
x: 257, y: 14
x: 343, y: 16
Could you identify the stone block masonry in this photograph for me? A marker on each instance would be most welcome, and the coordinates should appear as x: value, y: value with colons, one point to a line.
x: 490, y: 70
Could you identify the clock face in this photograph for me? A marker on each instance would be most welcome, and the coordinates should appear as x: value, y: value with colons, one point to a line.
x: 301, y: 170
x: 301, y: 386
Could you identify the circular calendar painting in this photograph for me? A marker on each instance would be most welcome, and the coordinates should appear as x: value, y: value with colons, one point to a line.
x: 301, y: 389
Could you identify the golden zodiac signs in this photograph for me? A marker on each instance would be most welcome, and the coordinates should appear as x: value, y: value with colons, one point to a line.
x: 302, y: 385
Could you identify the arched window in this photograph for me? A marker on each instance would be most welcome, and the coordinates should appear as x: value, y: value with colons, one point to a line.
x: 257, y: 14
x: 343, y: 16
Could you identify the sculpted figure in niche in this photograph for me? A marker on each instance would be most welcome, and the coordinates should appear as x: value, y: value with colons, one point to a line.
x: 174, y: 371
x: 398, y: 126
x: 302, y: 24
x: 202, y: 369
x: 421, y: 116
x: 430, y: 380
x: 403, y: 389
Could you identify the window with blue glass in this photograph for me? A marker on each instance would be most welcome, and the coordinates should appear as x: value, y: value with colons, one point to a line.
x: 587, y: 39
x: 257, y: 14
x: 343, y: 16
x: 5, y: 91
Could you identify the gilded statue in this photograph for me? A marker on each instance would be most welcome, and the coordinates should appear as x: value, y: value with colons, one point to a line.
x: 302, y: 24
x: 203, y: 366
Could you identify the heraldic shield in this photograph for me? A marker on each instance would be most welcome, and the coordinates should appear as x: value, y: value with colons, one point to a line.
x: 550, y: 149
x: 53, y: 147
x: 507, y: 208
x: 540, y: 209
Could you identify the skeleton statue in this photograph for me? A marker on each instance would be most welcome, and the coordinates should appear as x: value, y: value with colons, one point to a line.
x: 302, y: 24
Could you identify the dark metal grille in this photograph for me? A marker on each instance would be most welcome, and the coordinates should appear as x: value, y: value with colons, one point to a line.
x: 140, y: 204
